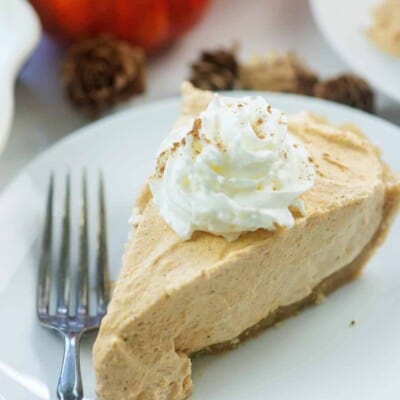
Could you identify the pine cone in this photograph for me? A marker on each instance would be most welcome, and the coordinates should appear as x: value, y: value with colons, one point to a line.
x: 278, y: 73
x: 347, y: 89
x: 102, y: 71
x: 215, y: 70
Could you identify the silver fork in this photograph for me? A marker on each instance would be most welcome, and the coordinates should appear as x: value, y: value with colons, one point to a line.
x: 71, y: 324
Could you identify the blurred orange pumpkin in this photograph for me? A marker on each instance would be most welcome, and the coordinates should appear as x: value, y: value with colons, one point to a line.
x: 150, y: 24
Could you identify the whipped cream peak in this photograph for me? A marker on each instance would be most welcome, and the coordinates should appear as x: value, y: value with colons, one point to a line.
x: 235, y: 168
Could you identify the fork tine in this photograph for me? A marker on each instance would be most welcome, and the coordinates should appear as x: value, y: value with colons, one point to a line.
x: 63, y: 279
x: 82, y: 305
x: 44, y: 279
x: 102, y: 256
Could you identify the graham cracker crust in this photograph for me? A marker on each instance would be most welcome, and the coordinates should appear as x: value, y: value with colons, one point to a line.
x: 326, y: 286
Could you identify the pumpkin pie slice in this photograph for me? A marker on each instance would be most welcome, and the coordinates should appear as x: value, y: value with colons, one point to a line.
x: 178, y: 297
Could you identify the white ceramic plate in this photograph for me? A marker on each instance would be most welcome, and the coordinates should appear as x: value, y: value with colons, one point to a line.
x: 343, y: 22
x: 316, y: 355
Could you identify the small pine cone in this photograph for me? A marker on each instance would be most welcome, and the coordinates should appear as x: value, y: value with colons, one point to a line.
x: 306, y: 80
x: 99, y: 72
x: 278, y: 73
x: 347, y: 89
x: 215, y: 70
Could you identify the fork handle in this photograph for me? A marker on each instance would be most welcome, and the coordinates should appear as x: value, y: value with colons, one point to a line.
x: 69, y: 385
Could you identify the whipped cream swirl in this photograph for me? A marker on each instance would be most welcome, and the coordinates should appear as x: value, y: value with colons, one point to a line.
x: 234, y: 168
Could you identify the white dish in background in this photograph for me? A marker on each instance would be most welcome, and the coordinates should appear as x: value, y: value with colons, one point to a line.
x: 343, y: 23
x: 19, y: 35
x: 316, y: 355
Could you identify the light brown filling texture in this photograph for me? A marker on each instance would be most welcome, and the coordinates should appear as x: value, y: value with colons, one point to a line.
x: 327, y: 286
x: 177, y: 298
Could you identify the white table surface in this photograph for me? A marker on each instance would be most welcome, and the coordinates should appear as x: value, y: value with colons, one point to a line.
x: 43, y: 115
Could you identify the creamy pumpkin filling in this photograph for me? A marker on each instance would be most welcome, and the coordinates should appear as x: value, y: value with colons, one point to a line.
x: 177, y: 297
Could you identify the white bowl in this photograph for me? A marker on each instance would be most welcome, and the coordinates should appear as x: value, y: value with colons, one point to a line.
x: 19, y: 35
